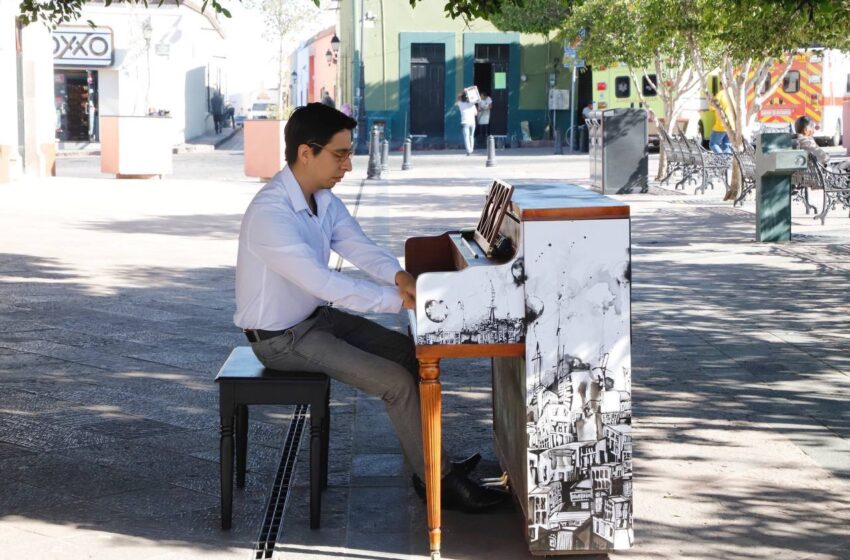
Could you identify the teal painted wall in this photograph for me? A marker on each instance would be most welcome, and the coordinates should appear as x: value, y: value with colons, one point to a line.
x: 392, y: 26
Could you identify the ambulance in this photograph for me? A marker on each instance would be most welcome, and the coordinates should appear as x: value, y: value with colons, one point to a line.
x: 613, y: 88
x: 815, y: 86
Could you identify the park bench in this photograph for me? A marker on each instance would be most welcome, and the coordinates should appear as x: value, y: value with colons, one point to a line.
x: 835, y: 184
x: 801, y: 181
x: 694, y: 163
x: 244, y: 381
x: 679, y: 158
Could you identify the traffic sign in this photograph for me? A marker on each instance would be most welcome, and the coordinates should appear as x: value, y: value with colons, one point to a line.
x: 570, y: 58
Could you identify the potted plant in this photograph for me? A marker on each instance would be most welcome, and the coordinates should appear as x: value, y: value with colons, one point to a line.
x: 136, y: 146
x: 264, y: 143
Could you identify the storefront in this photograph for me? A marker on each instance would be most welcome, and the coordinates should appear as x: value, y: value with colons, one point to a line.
x: 78, y: 53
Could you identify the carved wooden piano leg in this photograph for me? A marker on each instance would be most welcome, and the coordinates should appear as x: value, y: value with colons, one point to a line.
x: 430, y: 396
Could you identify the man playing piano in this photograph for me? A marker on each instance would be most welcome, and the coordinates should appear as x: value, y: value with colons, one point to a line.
x: 288, y: 301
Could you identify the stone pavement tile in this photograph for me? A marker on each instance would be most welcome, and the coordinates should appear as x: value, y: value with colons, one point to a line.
x: 377, y: 465
x: 374, y: 433
x: 385, y: 545
x: 335, y: 509
x: 153, y: 501
x: 80, y: 479
x: 129, y: 427
x: 30, y: 432
x: 184, y: 441
x: 142, y: 405
x: 27, y: 403
x: 378, y: 509
x: 17, y: 360
x: 152, y: 463
x: 260, y: 459
x: 19, y: 498
x: 9, y: 450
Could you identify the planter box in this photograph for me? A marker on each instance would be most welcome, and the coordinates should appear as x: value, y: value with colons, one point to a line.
x: 136, y: 147
x: 264, y: 147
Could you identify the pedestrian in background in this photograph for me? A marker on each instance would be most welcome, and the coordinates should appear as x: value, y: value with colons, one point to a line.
x: 328, y: 100
x: 217, y: 110
x: 467, y: 121
x: 718, y: 142
x: 484, y: 106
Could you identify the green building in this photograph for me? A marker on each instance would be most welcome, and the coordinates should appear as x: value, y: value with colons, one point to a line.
x: 417, y: 61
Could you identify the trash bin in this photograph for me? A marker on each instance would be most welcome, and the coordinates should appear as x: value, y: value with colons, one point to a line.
x: 619, y: 159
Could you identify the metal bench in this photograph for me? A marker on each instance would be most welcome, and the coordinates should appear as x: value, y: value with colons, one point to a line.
x: 835, y: 185
x: 244, y: 381
x: 801, y: 181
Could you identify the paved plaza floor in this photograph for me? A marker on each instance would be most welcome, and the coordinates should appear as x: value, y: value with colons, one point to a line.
x: 116, y: 303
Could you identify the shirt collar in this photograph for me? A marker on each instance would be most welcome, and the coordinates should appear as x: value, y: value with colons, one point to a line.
x: 296, y: 195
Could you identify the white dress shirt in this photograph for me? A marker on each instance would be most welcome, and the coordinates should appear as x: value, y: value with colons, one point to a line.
x: 282, y: 272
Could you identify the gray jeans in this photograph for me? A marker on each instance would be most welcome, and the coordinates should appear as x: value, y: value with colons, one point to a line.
x: 361, y: 353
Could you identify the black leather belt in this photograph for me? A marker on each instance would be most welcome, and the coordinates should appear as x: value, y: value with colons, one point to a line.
x: 258, y: 335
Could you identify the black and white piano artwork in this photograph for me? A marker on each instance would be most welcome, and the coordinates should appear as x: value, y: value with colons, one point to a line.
x: 543, y: 287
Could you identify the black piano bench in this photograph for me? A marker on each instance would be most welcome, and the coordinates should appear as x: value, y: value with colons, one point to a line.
x: 243, y: 381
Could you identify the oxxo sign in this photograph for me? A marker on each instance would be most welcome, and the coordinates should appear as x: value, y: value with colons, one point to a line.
x: 82, y: 47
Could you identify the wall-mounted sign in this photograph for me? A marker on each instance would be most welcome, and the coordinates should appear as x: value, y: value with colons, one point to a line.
x: 82, y: 46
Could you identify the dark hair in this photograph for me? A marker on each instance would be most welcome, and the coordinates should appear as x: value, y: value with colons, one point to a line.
x: 802, y: 123
x: 314, y: 123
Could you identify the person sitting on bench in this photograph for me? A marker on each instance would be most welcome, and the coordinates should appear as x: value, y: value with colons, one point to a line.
x: 804, y: 139
x: 288, y: 301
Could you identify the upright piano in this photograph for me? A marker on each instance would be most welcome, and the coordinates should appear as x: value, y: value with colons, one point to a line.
x: 542, y: 285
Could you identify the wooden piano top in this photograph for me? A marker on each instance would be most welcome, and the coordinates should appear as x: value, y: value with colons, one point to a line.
x: 563, y: 201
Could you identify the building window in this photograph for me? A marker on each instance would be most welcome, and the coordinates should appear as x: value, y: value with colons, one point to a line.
x: 791, y: 82
x: 622, y: 86
x: 650, y: 85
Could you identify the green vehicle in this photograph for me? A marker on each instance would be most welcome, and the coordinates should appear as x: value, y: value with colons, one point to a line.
x: 613, y: 88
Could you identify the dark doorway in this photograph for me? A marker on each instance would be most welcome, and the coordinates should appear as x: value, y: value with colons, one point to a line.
x: 584, y: 91
x: 490, y: 74
x: 427, y: 89
x: 75, y: 94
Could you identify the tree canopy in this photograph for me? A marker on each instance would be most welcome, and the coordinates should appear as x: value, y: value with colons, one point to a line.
x: 57, y: 12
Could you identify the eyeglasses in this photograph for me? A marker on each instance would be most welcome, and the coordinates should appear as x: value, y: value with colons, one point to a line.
x: 341, y: 155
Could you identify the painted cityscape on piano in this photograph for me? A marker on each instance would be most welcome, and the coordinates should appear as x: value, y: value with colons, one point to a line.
x: 578, y: 385
x: 478, y: 305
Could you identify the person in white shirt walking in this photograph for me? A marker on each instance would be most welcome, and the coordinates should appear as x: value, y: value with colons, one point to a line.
x: 468, y: 111
x: 288, y: 300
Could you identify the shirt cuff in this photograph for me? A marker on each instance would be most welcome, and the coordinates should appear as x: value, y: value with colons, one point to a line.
x: 390, y: 300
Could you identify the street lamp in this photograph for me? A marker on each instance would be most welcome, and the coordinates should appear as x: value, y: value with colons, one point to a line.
x: 294, y: 77
x: 329, y: 56
x: 335, y: 44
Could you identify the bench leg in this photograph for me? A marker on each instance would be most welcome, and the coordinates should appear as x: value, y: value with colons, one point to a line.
x: 326, y: 437
x: 226, y: 450
x: 316, y: 423
x: 241, y: 444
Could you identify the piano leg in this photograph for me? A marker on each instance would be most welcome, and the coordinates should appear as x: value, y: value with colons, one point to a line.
x: 430, y: 398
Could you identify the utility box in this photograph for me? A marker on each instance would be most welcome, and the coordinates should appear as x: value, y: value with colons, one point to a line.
x: 776, y: 161
x: 619, y: 159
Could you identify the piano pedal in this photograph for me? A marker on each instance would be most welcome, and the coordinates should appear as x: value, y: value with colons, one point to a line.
x: 500, y: 482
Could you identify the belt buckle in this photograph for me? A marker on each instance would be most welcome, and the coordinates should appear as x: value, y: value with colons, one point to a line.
x: 252, y: 335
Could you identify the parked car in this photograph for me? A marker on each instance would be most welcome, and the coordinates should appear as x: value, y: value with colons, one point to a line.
x: 262, y: 110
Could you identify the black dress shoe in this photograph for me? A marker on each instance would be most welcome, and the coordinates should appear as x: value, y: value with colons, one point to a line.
x: 461, y: 493
x: 467, y: 465
x: 464, y: 466
x: 458, y: 492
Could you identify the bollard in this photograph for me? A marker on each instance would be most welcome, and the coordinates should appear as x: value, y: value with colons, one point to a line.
x: 405, y: 162
x: 385, y: 156
x: 491, y: 151
x: 374, y: 169
x: 559, y: 145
